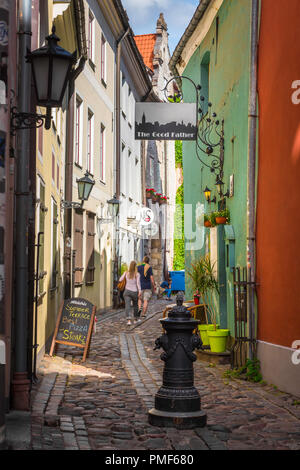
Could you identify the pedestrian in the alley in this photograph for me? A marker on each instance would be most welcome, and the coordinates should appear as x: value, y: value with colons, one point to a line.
x: 132, y: 292
x: 147, y: 284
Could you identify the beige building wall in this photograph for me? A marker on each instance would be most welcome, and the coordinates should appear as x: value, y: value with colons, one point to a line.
x: 97, y: 97
x: 50, y: 162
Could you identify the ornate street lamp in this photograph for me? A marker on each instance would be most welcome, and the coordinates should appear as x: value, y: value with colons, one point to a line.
x: 220, y: 184
x: 51, y: 69
x: 207, y: 193
x: 113, y: 206
x: 84, y: 186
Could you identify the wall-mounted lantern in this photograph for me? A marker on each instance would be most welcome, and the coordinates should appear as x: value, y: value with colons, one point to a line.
x: 51, y: 69
x: 207, y: 194
x: 84, y: 186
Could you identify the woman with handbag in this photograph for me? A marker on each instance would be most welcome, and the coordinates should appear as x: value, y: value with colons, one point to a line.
x: 132, y: 291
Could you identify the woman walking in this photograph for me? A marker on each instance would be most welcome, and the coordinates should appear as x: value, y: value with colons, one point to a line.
x: 132, y: 291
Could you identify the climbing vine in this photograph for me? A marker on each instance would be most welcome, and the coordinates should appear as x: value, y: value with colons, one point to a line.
x: 179, y: 231
x: 178, y: 153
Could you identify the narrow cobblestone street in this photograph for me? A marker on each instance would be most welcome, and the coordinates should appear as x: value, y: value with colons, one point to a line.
x: 103, y: 403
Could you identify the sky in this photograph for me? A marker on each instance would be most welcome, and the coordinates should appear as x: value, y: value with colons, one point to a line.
x: 143, y: 15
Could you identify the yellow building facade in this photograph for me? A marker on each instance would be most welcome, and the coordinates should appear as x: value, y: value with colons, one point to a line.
x: 50, y: 188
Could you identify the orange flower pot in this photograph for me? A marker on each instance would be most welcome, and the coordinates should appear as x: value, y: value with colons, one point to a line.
x: 221, y: 220
x: 207, y: 223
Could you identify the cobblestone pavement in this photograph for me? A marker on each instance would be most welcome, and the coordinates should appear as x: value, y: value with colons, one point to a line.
x: 103, y: 403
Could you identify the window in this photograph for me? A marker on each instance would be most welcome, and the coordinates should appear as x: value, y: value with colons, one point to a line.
x: 90, y: 251
x: 205, y: 80
x: 53, y: 167
x: 123, y: 95
x: 123, y: 170
x: 78, y: 245
x: 54, y: 260
x: 78, y: 132
x: 91, y: 37
x: 40, y: 140
x: 90, y: 142
x: 57, y: 176
x: 57, y: 121
x: 103, y: 59
x: 102, y: 153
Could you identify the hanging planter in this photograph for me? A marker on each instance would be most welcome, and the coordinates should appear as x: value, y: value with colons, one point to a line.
x: 222, y: 217
x: 149, y: 192
x: 207, y: 221
x: 155, y: 198
x: 163, y: 200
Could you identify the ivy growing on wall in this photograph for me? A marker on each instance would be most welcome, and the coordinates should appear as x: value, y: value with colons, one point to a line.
x: 178, y: 153
x: 178, y: 263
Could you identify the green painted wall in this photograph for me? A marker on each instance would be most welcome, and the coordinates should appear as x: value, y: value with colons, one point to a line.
x: 229, y: 52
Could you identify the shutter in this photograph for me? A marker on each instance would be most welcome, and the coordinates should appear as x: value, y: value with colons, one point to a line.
x: 78, y: 246
x: 54, y: 245
x: 90, y: 252
x: 42, y: 238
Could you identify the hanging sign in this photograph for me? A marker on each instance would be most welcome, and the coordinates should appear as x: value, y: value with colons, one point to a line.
x: 74, y: 324
x: 165, y: 121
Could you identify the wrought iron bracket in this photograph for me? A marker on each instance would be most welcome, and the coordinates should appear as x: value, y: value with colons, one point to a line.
x: 104, y: 221
x: 210, y: 128
x: 22, y: 120
x: 70, y: 205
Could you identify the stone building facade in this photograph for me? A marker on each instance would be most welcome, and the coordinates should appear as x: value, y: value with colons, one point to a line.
x: 159, y: 156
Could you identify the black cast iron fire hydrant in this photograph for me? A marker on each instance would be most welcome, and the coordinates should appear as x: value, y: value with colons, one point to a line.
x: 177, y: 402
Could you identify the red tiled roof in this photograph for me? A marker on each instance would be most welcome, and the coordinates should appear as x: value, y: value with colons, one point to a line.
x: 145, y: 44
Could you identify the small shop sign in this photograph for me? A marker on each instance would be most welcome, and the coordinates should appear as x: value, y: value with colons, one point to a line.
x: 74, y: 324
x: 165, y: 121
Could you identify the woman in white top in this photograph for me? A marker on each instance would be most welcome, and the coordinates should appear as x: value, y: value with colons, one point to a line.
x: 132, y: 291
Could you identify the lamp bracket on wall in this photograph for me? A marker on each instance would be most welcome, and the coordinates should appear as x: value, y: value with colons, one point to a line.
x: 20, y: 121
x: 71, y: 205
x: 210, y: 129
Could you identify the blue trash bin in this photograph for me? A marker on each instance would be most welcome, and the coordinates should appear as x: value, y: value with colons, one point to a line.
x: 178, y: 280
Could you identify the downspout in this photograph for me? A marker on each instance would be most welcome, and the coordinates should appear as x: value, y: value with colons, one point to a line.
x: 21, y: 382
x: 251, y: 213
x: 118, y: 163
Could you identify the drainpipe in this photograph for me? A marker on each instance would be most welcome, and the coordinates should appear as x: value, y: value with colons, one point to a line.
x: 21, y: 383
x: 251, y: 213
x: 118, y: 162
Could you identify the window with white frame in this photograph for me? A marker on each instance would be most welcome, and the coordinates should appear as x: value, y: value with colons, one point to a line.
x: 123, y: 170
x: 91, y: 37
x: 103, y: 58
x: 90, y: 142
x: 53, y: 167
x: 78, y: 132
x: 102, y: 153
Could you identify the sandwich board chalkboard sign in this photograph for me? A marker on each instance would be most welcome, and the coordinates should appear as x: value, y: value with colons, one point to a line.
x: 74, y: 324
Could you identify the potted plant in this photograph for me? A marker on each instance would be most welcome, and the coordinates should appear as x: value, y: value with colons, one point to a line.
x: 154, y: 196
x: 149, y: 192
x: 204, y: 282
x: 196, y: 297
x: 207, y: 221
x: 163, y: 200
x: 222, y: 217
